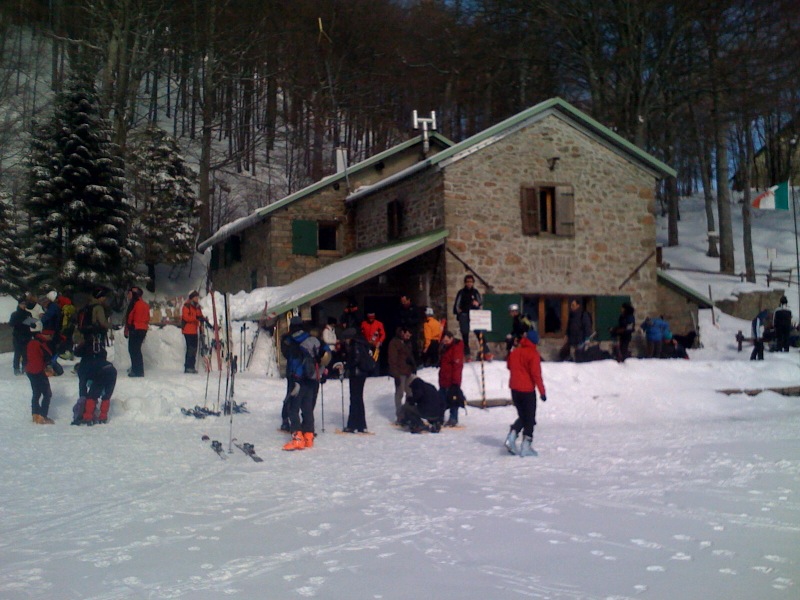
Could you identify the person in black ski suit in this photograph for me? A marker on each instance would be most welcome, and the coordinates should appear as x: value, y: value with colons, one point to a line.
x: 579, y: 330
x: 467, y: 299
x: 520, y: 324
x: 626, y: 325
x: 423, y: 402
x: 356, y: 348
x: 21, y: 322
x: 782, y: 321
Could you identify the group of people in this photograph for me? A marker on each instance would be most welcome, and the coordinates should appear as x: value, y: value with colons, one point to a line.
x: 70, y: 333
x: 781, y: 329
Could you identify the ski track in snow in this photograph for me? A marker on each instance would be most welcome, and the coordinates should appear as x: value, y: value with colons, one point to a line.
x: 648, y: 485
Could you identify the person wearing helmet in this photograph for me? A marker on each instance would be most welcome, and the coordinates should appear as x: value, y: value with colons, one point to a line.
x: 782, y: 320
x: 520, y: 324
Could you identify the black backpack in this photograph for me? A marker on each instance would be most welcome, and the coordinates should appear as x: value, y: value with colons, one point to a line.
x: 365, y: 361
x: 83, y: 321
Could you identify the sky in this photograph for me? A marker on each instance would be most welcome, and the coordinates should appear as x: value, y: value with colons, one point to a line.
x: 649, y: 482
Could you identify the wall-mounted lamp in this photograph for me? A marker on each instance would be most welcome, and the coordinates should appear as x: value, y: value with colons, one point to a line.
x: 552, y: 162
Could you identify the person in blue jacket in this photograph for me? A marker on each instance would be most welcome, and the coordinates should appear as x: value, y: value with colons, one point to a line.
x: 656, y: 330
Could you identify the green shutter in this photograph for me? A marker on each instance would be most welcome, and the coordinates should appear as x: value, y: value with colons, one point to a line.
x: 607, y: 314
x: 501, y: 320
x: 304, y: 238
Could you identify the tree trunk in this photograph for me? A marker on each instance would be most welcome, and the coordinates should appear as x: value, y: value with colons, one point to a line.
x: 746, y: 169
x: 727, y: 263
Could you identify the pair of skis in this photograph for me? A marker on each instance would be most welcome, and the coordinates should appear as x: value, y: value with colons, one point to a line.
x: 248, y: 449
x: 199, y: 412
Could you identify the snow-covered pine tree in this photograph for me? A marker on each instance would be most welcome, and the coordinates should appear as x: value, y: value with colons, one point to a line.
x: 80, y: 229
x: 12, y: 273
x: 161, y: 188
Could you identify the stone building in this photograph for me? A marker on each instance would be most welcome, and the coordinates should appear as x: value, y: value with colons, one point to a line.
x: 545, y: 206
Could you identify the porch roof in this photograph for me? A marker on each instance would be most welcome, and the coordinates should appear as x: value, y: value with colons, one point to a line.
x: 329, y: 281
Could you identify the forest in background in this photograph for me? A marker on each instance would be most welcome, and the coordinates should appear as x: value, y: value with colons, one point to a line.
x: 258, y: 94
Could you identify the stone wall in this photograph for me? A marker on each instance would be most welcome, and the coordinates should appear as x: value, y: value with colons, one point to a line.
x: 747, y: 305
x: 421, y: 198
x: 678, y: 311
x: 614, y: 218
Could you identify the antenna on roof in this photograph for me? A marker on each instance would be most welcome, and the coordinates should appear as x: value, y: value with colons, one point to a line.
x: 424, y: 123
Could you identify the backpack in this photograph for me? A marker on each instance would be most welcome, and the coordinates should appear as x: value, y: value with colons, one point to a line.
x: 83, y: 320
x: 365, y: 362
x: 295, y: 355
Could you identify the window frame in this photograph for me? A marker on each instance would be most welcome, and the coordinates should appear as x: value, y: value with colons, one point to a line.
x: 552, y: 215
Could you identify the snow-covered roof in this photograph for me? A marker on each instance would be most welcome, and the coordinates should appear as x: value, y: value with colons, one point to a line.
x: 344, y: 274
x: 554, y: 106
x: 260, y: 214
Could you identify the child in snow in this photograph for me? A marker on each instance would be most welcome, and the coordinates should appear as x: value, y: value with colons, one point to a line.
x: 39, y: 354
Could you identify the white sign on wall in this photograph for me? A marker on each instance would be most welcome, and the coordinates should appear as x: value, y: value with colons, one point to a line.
x: 480, y: 320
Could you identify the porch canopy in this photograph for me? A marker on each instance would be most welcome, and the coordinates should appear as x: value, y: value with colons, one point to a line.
x: 334, y: 279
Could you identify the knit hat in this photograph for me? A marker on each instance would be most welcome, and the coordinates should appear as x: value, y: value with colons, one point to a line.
x: 533, y: 336
x: 513, y: 307
x: 429, y: 312
x: 52, y: 295
x: 193, y: 294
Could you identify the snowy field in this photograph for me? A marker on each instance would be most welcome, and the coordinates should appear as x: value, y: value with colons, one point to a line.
x: 649, y: 484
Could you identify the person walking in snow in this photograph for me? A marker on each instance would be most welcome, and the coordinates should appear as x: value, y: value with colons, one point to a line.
x: 758, y: 326
x: 401, y: 366
x: 39, y: 356
x: 782, y: 321
x: 137, y: 321
x: 191, y: 320
x: 451, y: 367
x: 21, y: 322
x: 432, y: 335
x: 524, y: 365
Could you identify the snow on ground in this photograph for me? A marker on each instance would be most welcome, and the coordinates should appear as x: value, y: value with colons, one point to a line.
x: 649, y: 484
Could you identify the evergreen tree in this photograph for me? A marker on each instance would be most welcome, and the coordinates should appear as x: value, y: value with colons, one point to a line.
x: 80, y: 232
x: 161, y: 188
x: 12, y: 273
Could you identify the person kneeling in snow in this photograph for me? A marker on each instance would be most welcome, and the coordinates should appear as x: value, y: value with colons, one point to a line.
x: 97, y: 379
x: 524, y: 364
x: 423, y: 402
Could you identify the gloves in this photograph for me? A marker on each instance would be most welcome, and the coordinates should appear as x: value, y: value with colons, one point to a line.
x: 295, y: 390
x: 544, y: 398
x: 339, y: 366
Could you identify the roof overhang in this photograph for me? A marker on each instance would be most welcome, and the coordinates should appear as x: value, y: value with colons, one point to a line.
x: 684, y: 290
x: 334, y: 279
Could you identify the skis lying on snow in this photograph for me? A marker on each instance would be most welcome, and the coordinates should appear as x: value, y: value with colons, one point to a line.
x: 248, y: 449
x: 200, y: 412
x: 216, y: 446
x: 237, y: 408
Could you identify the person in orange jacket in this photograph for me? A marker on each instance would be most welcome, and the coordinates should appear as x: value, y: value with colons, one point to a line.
x: 191, y: 320
x: 39, y: 355
x: 137, y: 320
x: 432, y: 334
x: 374, y: 332
x: 524, y: 365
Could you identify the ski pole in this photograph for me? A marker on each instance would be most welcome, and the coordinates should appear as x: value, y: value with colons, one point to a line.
x: 341, y: 381
x: 322, y: 400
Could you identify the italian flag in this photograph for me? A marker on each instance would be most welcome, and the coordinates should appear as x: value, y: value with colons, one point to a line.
x: 775, y: 198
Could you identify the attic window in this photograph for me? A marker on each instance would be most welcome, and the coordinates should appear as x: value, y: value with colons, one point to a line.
x: 394, y: 220
x: 327, y: 235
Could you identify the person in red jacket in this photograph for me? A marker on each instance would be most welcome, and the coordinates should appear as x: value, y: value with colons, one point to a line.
x: 137, y: 320
x: 524, y: 365
x: 39, y: 354
x: 374, y: 332
x: 191, y: 320
x: 451, y: 365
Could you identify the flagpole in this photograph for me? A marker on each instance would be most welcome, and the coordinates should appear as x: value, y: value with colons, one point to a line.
x: 796, y: 244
